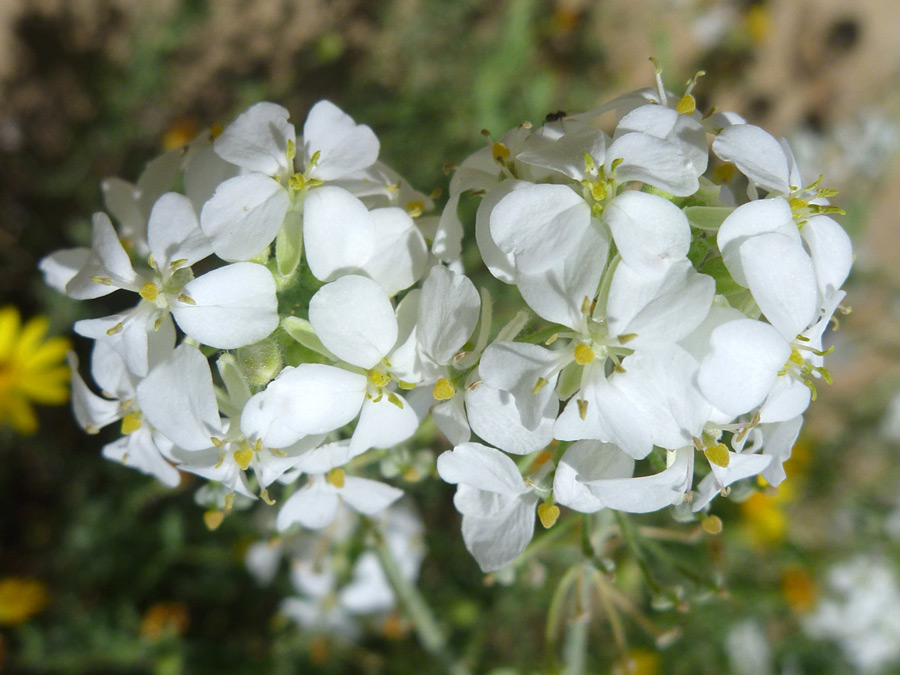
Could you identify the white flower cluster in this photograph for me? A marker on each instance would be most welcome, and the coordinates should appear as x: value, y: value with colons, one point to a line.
x: 666, y: 312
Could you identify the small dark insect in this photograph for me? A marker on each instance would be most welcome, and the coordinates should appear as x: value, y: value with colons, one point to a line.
x: 555, y: 116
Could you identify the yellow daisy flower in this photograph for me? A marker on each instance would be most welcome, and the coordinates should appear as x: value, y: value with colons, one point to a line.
x: 32, y: 369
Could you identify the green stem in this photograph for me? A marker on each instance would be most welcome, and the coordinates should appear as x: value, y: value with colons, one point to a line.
x: 430, y: 634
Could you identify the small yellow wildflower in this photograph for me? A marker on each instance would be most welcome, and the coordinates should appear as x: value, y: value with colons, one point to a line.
x: 31, y: 369
x: 21, y: 599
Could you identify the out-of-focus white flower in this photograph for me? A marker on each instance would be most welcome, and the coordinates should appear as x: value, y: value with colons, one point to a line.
x: 861, y: 614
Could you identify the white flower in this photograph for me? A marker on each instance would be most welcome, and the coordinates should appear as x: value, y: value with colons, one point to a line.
x: 229, y: 307
x: 861, y: 614
x: 141, y: 446
x: 496, y: 504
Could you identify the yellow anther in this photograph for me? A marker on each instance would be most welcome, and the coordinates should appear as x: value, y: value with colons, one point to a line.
x: 796, y: 358
x: 213, y: 519
x: 229, y: 501
x: 406, y: 386
x: 314, y: 160
x: 589, y: 165
x: 412, y: 475
x: 217, y: 442
x: 149, y: 291
x: 582, y: 408
x: 92, y: 429
x: 158, y: 323
x: 686, y: 105
x: 598, y: 190
x: 242, y: 458
x: 718, y: 454
x: 711, y: 524
x: 221, y: 459
x: 584, y: 355
x: 586, y: 305
x: 186, y: 299
x: 415, y: 208
x: 175, y: 264
x: 103, y: 281
x: 797, y: 203
x: 130, y: 423
x: 291, y: 151
x: 550, y: 340
x: 540, y: 384
x: 625, y: 338
x: 264, y: 495
x: 297, y: 181
x: 378, y: 378
x: 393, y: 399
x: 548, y: 514
x: 443, y: 390
x: 152, y: 262
x: 215, y: 131
x: 500, y: 152
x: 115, y: 329
x: 336, y: 478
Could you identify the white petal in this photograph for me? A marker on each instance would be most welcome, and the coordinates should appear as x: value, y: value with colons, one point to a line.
x: 233, y: 306
x: 658, y: 309
x: 383, y: 424
x: 400, y: 255
x: 749, y: 220
x: 516, y: 367
x: 481, y: 467
x: 650, y: 232
x: 177, y: 398
x: 174, y: 233
x: 140, y: 341
x: 138, y: 451
x: 60, y: 267
x: 354, y: 320
x: 743, y: 363
x: 92, y: 412
x: 308, y: 399
x: 831, y: 252
x: 539, y: 224
x: 501, y: 264
x: 257, y: 140
x: 655, y: 161
x: 324, y: 458
x: 494, y: 416
x: 448, y: 312
x: 314, y: 506
x: 338, y: 232
x: 757, y: 154
x: 739, y: 467
x: 244, y: 215
x: 450, y: 417
x: 683, y: 131
x: 343, y: 145
x: 368, y: 496
x: 567, y: 153
x: 497, y: 541
x: 646, y: 493
x: 778, y: 443
x: 612, y: 416
x: 781, y: 278
x: 588, y: 460
x: 558, y: 293
x: 789, y: 398
x: 204, y: 171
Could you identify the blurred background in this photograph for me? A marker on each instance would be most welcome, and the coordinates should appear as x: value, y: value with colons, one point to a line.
x: 102, y: 570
